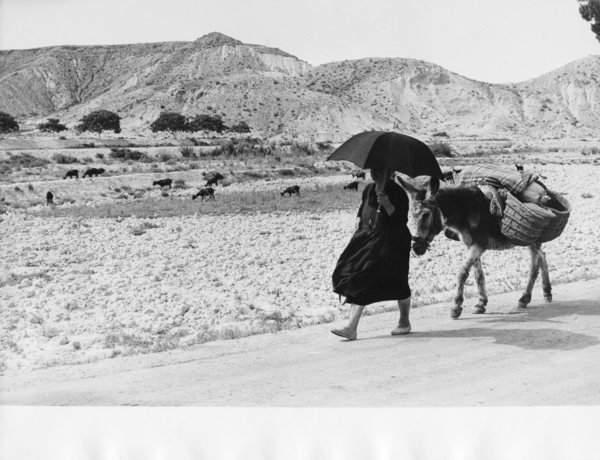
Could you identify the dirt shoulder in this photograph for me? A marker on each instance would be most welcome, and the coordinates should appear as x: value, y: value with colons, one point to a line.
x: 546, y: 356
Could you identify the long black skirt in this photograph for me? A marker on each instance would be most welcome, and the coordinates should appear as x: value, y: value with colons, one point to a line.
x: 373, y: 268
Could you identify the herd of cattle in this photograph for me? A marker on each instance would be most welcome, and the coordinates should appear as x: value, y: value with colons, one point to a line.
x: 208, y: 192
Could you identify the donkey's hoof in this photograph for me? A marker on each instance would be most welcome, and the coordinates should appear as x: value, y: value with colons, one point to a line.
x: 548, y: 297
x: 455, y: 312
x: 478, y: 310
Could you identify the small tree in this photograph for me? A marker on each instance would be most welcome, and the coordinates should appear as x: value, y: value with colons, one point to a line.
x: 52, y: 125
x: 590, y: 11
x: 100, y: 120
x: 241, y: 127
x: 8, y: 123
x: 207, y: 123
x: 169, y: 121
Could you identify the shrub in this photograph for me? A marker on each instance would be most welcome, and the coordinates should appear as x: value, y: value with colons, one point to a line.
x: 100, y: 156
x: 241, y: 127
x: 164, y: 156
x: 207, y: 123
x: 52, y: 125
x: 24, y: 160
x: 125, y: 154
x: 441, y: 149
x: 99, y: 121
x: 8, y: 123
x: 590, y: 151
x: 62, y: 159
x: 187, y: 151
x: 441, y: 134
x: 179, y: 183
x: 302, y: 148
x: 169, y: 121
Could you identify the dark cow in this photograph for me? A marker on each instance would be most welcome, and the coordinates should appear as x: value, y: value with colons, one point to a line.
x: 163, y: 183
x: 360, y: 175
x: 207, y: 192
x: 352, y: 186
x: 519, y: 167
x: 72, y: 173
x: 49, y: 197
x: 93, y: 172
x: 214, y: 179
x: 291, y: 190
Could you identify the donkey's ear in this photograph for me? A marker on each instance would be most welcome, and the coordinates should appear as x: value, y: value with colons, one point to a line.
x: 434, y: 186
x: 408, y: 187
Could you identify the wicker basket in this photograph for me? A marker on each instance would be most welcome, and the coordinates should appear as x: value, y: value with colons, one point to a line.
x: 523, y: 223
x: 561, y: 209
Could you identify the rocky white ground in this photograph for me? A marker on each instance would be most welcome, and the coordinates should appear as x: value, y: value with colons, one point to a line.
x: 77, y: 289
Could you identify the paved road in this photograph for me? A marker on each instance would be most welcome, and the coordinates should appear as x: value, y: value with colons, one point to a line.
x: 546, y: 356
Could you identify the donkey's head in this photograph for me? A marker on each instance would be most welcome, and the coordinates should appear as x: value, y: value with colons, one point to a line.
x: 426, y: 216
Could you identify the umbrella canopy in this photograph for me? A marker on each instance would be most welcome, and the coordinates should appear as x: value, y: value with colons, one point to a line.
x: 389, y: 150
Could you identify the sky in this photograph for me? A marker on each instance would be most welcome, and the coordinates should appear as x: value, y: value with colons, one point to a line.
x: 492, y: 41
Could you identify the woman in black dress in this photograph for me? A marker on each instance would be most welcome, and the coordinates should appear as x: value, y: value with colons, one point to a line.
x: 384, y: 207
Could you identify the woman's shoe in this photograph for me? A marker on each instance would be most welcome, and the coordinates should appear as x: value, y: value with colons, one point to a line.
x: 345, y: 333
x: 401, y: 330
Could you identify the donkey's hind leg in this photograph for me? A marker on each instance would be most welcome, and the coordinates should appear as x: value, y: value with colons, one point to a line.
x: 463, y: 274
x: 534, y: 269
x: 480, y: 278
x: 545, y: 275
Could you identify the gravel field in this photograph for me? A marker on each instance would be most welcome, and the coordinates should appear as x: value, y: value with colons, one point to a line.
x: 81, y: 286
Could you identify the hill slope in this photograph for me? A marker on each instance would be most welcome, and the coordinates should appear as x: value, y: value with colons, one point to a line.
x: 276, y: 93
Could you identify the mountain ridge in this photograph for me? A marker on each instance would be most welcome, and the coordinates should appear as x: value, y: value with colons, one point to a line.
x: 280, y: 95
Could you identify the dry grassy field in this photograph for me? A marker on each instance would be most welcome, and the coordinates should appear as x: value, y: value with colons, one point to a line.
x: 119, y: 267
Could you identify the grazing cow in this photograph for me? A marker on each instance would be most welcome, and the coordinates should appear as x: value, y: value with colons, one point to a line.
x: 93, y: 172
x: 519, y: 167
x: 163, y: 183
x: 291, y: 190
x: 49, y: 197
x: 214, y: 179
x: 207, y: 192
x: 360, y: 175
x: 72, y: 173
x: 352, y: 186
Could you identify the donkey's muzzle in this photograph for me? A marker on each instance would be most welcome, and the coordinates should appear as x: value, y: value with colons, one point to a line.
x: 420, y: 245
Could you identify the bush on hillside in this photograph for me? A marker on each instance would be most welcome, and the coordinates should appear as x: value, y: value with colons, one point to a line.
x: 8, y: 124
x: 99, y: 121
x: 52, y: 125
x: 171, y: 122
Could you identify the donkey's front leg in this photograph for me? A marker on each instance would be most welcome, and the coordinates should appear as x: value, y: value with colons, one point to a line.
x: 480, y: 278
x: 534, y: 269
x: 463, y: 274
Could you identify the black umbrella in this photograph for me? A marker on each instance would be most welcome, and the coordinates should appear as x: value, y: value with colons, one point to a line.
x: 389, y: 150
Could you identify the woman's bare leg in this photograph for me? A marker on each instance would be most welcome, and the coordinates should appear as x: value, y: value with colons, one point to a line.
x: 349, y: 331
x: 404, y: 321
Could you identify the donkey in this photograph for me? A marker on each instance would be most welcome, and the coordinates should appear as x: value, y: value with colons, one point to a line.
x: 464, y: 213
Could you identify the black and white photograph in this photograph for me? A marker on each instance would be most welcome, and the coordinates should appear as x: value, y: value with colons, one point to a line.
x: 352, y: 223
